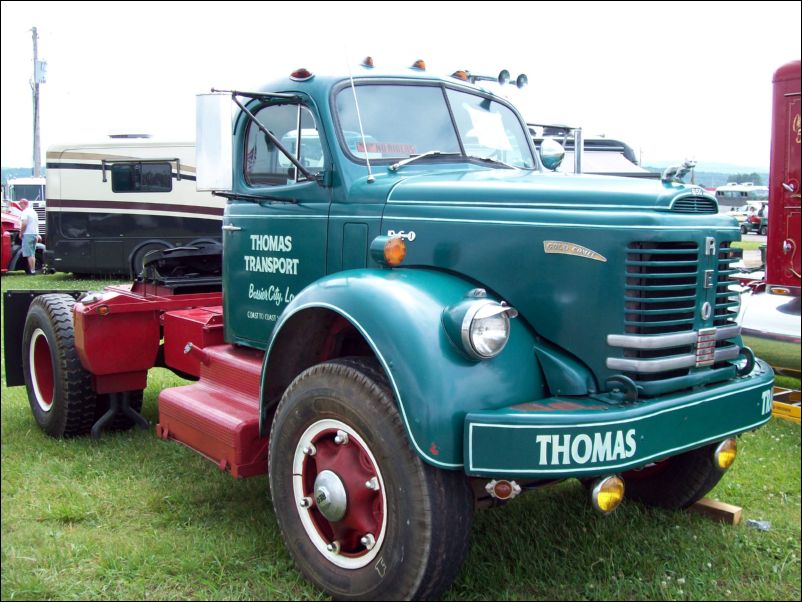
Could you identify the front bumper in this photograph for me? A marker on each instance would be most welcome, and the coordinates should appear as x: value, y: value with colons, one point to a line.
x: 564, y: 437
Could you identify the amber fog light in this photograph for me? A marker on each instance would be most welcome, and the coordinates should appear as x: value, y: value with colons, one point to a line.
x: 725, y: 453
x: 607, y: 493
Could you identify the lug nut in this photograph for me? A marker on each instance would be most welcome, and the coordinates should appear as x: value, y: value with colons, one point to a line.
x: 373, y: 484
x: 341, y: 438
x: 305, y: 502
x: 368, y: 541
x: 334, y: 547
x: 310, y: 450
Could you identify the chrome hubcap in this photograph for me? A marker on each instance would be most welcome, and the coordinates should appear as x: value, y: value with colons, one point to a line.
x: 330, y: 496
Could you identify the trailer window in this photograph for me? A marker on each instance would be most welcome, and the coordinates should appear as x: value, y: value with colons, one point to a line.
x: 141, y: 177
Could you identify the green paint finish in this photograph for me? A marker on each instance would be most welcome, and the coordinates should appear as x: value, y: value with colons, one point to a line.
x: 586, y: 441
x: 400, y: 313
x: 571, y: 301
x: 274, y: 254
x: 553, y: 246
x: 355, y: 246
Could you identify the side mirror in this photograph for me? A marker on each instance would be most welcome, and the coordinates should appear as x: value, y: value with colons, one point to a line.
x: 214, y: 142
x: 552, y: 153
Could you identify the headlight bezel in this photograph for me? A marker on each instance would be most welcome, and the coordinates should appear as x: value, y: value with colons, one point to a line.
x: 478, y: 312
x: 460, y: 321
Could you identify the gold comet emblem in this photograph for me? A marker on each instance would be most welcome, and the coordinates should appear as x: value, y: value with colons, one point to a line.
x: 569, y: 248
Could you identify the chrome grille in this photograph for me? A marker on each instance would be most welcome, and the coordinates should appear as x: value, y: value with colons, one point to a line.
x: 661, y: 344
x: 695, y: 204
x: 727, y: 300
x: 40, y: 212
x: 661, y: 287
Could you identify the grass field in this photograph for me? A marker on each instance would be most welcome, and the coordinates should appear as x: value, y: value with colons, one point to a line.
x: 748, y: 245
x: 132, y: 517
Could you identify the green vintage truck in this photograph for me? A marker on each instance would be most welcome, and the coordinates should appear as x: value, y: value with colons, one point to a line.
x: 417, y: 314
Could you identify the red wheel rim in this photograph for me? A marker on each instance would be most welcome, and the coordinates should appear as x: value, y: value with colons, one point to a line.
x: 332, y: 452
x: 41, y: 366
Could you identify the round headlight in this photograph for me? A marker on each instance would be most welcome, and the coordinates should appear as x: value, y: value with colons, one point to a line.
x: 486, y: 329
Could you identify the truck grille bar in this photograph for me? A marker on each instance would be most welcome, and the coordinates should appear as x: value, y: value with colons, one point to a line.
x: 674, y: 362
x: 668, y: 341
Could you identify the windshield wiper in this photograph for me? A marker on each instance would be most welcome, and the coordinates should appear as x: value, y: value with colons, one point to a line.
x: 431, y: 153
x: 434, y: 153
x: 493, y: 161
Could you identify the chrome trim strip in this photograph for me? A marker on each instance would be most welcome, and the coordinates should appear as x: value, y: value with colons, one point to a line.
x: 661, y: 341
x: 670, y: 363
x: 666, y: 341
x: 727, y: 353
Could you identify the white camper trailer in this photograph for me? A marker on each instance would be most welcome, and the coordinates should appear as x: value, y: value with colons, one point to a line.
x: 109, y: 204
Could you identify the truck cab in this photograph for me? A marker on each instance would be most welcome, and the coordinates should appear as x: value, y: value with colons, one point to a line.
x: 416, y: 317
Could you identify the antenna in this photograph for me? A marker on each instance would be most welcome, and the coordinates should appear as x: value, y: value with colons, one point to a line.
x: 371, y: 179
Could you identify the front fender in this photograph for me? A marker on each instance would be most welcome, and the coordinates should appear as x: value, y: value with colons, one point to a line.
x: 400, y: 314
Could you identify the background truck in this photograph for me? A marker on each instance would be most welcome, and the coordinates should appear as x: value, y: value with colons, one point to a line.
x: 111, y: 203
x: 770, y: 317
x: 415, y: 316
x: 32, y: 189
x: 11, y: 258
x: 783, y: 245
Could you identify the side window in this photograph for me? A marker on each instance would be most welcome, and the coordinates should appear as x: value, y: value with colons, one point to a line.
x: 141, y: 177
x: 265, y: 164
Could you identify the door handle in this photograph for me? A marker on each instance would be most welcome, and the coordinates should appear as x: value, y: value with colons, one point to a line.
x: 231, y: 228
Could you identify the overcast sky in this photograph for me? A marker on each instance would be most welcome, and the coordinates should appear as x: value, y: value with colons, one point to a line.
x: 674, y: 80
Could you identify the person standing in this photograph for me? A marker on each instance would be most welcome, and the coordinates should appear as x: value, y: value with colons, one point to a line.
x: 29, y: 225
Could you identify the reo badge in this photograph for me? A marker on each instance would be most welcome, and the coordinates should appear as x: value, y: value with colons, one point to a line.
x: 569, y: 248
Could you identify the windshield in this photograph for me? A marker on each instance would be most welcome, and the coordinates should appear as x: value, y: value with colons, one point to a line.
x: 32, y: 192
x: 401, y: 121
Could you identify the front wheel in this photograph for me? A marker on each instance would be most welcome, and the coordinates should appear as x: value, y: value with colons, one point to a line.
x: 677, y: 482
x: 362, y: 515
x: 764, y: 230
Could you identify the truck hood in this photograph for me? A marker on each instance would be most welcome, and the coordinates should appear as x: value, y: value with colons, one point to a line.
x: 563, y: 249
x: 506, y: 187
x: 10, y: 221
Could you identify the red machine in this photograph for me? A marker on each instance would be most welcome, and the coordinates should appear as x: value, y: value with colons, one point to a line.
x: 10, y: 231
x: 770, y: 320
x: 783, y: 246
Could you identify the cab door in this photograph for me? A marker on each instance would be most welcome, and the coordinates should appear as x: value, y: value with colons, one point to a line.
x: 274, y: 230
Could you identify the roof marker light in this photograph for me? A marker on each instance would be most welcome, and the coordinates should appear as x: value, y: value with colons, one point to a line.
x: 420, y: 65
x: 368, y: 62
x: 461, y: 74
x: 301, y: 75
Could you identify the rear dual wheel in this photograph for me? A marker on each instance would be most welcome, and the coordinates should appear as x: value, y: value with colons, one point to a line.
x: 60, y: 392
x: 59, y: 389
x: 362, y: 515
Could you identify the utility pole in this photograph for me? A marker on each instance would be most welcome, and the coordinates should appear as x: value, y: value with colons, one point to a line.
x: 39, y: 72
